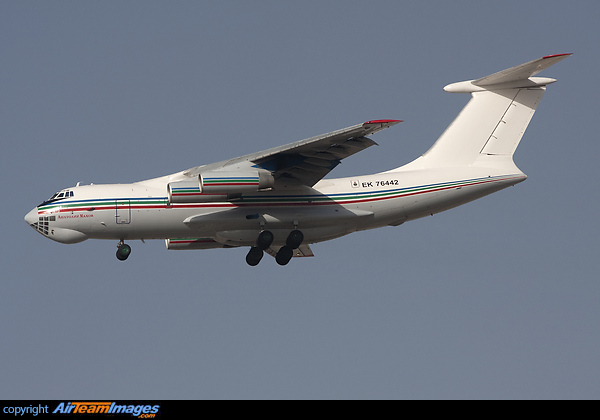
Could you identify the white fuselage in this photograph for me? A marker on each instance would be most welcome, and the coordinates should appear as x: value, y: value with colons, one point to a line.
x: 332, y: 208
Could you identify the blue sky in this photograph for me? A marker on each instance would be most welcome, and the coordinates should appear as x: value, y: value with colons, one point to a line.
x: 495, y: 299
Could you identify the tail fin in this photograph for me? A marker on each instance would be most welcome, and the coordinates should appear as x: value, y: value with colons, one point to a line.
x: 494, y: 120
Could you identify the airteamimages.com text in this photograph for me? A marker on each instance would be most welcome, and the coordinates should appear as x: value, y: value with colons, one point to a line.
x: 142, y: 411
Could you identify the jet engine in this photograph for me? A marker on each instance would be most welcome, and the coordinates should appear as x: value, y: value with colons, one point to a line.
x: 235, y: 182
x: 189, y: 191
x: 219, y: 186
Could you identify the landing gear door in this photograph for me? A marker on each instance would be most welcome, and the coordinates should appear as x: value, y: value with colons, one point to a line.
x: 123, y: 212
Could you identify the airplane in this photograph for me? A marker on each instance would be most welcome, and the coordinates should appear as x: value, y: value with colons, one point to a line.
x: 278, y: 202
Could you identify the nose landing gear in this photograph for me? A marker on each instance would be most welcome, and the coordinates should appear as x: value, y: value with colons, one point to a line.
x: 123, y: 251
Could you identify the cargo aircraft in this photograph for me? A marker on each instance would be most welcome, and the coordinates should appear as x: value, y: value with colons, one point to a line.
x: 276, y: 201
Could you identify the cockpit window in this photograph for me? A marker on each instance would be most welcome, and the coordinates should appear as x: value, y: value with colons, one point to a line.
x: 58, y: 196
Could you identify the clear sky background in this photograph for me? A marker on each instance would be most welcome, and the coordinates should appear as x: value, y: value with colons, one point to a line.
x: 495, y: 299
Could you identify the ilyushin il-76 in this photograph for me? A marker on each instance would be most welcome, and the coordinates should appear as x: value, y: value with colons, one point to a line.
x: 276, y: 201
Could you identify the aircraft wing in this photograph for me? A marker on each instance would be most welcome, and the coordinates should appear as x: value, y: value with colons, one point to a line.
x: 306, y: 161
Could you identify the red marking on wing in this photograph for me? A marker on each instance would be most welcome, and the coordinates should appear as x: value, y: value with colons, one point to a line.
x: 382, y: 121
x: 556, y: 55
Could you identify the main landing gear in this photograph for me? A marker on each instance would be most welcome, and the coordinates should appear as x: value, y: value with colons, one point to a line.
x: 285, y: 253
x: 123, y: 251
x: 264, y: 241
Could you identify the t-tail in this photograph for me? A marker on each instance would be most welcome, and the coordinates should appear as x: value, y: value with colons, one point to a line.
x: 491, y: 125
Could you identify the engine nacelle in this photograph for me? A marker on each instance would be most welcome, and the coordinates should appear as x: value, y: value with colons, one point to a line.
x: 235, y: 182
x: 219, y: 186
x: 189, y: 192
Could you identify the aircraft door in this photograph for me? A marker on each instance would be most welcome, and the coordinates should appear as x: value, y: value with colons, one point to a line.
x: 123, y: 212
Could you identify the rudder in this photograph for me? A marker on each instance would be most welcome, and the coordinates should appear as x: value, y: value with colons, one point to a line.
x: 510, y: 129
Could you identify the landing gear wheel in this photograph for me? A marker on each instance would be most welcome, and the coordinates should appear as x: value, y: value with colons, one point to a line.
x: 254, y: 256
x: 123, y: 252
x: 265, y: 239
x: 294, y: 239
x: 284, y: 255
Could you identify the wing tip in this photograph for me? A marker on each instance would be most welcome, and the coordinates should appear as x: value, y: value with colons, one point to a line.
x: 383, y: 122
x: 556, y: 55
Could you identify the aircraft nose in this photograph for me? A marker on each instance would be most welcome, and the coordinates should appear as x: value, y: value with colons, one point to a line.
x: 32, y: 216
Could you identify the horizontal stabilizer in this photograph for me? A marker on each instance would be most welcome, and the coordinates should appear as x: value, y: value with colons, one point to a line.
x: 521, y: 72
x: 520, y: 76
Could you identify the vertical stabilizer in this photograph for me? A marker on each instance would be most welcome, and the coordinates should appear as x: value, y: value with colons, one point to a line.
x: 495, y: 119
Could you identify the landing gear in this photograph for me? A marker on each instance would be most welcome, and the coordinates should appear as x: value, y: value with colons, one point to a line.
x: 254, y: 256
x: 123, y: 251
x: 292, y: 242
x: 294, y: 239
x: 284, y: 255
x: 264, y: 241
